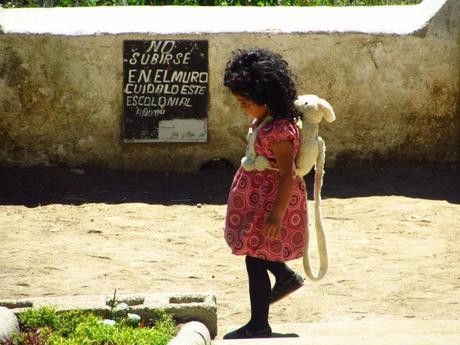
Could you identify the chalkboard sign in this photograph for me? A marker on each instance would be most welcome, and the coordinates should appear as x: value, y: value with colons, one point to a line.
x: 165, y: 90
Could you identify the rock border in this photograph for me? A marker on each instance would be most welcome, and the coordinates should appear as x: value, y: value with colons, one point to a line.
x: 197, y: 311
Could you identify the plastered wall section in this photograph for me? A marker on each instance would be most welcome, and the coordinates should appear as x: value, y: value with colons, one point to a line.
x: 391, y: 74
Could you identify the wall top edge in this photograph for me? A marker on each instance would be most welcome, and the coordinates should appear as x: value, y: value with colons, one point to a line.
x: 82, y: 21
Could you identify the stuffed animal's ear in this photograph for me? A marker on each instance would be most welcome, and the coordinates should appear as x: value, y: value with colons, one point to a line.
x: 327, y: 110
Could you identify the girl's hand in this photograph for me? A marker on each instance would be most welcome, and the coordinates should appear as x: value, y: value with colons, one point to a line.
x: 272, y: 227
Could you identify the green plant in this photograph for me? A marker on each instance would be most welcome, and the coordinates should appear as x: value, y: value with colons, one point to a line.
x: 92, y: 331
x: 112, y: 304
x: 36, y: 318
x: 118, y: 308
x: 34, y: 337
x: 46, y: 326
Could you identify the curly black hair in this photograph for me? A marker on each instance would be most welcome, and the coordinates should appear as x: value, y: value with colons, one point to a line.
x: 263, y: 77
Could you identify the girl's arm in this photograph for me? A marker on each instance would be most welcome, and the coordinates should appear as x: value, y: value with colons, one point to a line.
x: 285, y: 161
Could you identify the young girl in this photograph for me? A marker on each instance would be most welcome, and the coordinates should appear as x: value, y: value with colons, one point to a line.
x: 267, y: 210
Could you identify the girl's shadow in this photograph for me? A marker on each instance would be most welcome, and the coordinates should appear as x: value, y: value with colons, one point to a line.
x: 285, y: 335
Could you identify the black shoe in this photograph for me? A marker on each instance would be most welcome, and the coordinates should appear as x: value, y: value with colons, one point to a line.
x: 245, y: 333
x: 287, y: 286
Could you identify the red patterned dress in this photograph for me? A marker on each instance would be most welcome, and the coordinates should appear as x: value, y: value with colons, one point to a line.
x: 251, y: 199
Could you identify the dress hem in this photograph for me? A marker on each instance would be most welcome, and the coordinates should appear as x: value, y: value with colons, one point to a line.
x: 289, y: 258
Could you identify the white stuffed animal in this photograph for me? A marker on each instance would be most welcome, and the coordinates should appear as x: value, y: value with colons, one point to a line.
x: 313, y: 109
x: 312, y: 152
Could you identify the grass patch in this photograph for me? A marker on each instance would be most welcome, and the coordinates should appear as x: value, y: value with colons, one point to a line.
x: 72, y: 3
x: 49, y: 327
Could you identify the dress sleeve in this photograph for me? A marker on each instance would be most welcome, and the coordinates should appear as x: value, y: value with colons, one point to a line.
x: 280, y: 130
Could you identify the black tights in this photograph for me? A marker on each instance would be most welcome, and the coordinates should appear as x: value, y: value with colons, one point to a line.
x: 260, y: 288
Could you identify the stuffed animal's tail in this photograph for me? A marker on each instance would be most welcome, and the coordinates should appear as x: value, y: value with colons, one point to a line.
x: 320, y: 234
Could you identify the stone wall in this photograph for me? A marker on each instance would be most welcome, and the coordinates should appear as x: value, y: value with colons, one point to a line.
x: 391, y: 73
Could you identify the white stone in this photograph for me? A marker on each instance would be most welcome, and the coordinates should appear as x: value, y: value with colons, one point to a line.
x: 8, y: 323
x: 192, y: 333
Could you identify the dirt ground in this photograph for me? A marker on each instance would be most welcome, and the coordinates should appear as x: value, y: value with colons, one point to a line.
x: 393, y: 235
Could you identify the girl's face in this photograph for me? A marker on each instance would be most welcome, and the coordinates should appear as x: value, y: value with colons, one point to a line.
x: 251, y: 108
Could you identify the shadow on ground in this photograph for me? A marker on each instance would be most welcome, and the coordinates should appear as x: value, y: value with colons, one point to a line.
x: 34, y: 186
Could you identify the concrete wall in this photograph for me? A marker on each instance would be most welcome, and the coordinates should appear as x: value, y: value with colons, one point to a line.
x: 391, y: 73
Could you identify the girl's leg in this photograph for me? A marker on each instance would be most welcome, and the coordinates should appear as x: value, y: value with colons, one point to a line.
x: 259, y: 292
x: 259, y: 295
x: 287, y: 281
x: 280, y: 270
